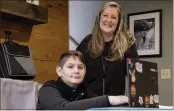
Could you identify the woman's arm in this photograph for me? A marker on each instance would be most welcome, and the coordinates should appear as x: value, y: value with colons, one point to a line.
x: 132, y: 52
x: 83, y: 46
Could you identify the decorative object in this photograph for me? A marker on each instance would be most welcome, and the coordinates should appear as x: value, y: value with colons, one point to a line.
x: 147, y: 29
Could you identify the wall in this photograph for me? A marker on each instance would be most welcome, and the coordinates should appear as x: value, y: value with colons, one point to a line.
x: 50, y: 40
x: 47, y: 41
x: 82, y: 16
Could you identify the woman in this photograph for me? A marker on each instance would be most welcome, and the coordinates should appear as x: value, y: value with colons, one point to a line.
x: 106, y: 50
x: 68, y: 92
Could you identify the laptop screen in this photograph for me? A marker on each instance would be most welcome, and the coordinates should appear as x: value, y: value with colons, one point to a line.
x: 142, y: 83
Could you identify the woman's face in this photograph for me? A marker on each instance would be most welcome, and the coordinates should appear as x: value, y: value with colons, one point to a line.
x: 109, y: 20
x: 72, y: 72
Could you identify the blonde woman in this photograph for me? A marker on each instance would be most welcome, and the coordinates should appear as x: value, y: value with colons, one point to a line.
x: 106, y: 50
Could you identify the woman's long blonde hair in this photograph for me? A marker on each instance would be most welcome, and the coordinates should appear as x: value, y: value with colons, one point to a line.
x: 122, y: 40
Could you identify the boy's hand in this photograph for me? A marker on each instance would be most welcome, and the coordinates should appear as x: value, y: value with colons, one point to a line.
x: 118, y: 100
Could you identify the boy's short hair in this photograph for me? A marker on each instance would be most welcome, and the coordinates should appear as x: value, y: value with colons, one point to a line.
x: 65, y: 56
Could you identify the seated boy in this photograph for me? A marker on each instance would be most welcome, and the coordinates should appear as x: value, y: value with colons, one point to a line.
x: 69, y: 92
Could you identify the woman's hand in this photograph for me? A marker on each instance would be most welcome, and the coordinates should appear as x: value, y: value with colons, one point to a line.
x: 118, y: 100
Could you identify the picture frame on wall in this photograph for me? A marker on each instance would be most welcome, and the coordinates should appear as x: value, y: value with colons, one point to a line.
x: 147, y: 28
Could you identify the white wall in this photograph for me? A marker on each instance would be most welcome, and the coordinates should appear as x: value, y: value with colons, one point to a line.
x: 82, y: 16
x: 72, y: 46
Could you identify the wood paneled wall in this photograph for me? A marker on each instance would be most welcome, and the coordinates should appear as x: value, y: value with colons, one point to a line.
x: 47, y: 41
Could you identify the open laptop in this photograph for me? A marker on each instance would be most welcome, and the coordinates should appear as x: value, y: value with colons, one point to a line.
x: 142, y: 83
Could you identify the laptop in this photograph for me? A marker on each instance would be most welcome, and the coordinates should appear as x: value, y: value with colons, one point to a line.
x: 142, y: 83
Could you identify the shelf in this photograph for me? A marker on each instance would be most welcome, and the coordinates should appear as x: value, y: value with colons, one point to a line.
x: 21, y: 11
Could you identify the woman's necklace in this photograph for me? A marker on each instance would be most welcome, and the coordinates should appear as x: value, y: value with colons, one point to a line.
x: 104, y: 62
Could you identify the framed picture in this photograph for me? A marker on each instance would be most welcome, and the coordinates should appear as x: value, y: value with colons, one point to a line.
x: 147, y: 29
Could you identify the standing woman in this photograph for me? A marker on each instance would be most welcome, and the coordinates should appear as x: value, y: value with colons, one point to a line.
x: 106, y: 50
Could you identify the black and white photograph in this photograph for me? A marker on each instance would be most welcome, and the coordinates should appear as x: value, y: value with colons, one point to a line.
x: 146, y: 27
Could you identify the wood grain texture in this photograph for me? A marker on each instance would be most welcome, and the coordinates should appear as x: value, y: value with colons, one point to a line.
x: 46, y: 71
x: 53, y: 30
x: 47, y: 49
x: 49, y: 40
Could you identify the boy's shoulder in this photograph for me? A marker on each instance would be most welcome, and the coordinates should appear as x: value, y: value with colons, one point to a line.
x: 51, y: 83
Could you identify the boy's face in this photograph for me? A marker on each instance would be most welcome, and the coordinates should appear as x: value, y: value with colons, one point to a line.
x: 72, y: 72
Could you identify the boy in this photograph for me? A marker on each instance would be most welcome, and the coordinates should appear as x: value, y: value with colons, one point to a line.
x: 69, y: 92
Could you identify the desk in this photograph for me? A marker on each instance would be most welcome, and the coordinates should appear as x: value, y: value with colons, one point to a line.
x: 126, y: 108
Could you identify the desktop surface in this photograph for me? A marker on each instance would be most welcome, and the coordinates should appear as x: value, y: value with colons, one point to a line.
x: 127, y: 108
